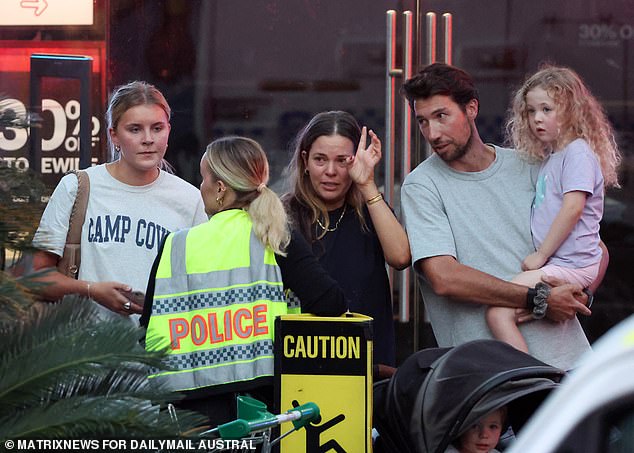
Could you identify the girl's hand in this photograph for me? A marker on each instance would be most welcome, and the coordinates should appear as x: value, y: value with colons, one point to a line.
x: 112, y: 295
x: 523, y: 315
x: 361, y: 166
x: 534, y: 261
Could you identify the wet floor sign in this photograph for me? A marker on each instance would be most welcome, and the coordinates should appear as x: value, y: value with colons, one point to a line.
x: 327, y: 361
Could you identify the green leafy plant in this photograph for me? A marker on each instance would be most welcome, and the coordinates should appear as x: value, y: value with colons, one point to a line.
x: 65, y: 373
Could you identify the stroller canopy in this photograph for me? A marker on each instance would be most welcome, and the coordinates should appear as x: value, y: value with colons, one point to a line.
x: 438, y: 393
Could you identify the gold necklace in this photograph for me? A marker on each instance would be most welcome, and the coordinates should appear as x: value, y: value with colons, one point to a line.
x: 336, y: 224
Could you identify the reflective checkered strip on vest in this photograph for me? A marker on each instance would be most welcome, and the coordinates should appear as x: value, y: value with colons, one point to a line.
x: 218, y: 291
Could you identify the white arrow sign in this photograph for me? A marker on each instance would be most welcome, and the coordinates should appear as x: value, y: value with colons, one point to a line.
x: 46, y: 12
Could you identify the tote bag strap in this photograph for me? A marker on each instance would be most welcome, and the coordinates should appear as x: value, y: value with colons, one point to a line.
x: 70, y: 261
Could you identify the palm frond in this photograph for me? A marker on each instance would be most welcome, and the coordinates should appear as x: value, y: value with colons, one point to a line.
x: 64, y: 372
x: 96, y: 416
x: 66, y: 338
x: 112, y: 383
x: 15, y: 299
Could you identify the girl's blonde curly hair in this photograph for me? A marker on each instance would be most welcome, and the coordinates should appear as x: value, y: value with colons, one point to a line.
x: 579, y: 113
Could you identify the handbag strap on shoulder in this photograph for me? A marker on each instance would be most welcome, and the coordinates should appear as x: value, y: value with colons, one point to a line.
x: 78, y: 213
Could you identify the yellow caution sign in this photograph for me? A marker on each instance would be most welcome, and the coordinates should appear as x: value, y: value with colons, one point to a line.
x: 327, y: 361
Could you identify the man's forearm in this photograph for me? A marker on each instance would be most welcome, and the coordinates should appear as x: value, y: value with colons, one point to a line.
x: 451, y: 279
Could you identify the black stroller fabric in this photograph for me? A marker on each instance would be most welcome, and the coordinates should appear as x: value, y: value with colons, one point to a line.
x: 438, y: 393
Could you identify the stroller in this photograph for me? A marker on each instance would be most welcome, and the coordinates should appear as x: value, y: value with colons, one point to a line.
x: 438, y: 393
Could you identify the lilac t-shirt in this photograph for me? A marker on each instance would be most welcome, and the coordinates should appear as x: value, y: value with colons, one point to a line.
x: 574, y: 168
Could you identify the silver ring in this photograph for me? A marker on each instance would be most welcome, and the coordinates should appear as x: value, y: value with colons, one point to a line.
x: 127, y: 305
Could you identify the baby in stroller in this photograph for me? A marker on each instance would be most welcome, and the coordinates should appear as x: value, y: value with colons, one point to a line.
x: 482, y: 436
x: 437, y: 394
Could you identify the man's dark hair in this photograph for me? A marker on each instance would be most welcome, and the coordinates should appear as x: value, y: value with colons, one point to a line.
x: 440, y: 79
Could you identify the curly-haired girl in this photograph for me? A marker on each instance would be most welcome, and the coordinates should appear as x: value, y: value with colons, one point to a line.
x: 557, y: 120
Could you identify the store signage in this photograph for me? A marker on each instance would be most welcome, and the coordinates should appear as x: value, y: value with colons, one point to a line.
x: 46, y: 12
x: 59, y: 128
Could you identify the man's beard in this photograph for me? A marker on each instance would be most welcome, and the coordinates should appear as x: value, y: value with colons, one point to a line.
x: 460, y: 150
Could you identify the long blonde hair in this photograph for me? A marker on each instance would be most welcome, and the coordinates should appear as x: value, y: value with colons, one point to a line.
x: 241, y: 164
x: 582, y: 115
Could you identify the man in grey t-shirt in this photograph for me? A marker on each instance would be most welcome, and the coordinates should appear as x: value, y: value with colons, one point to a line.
x: 467, y: 215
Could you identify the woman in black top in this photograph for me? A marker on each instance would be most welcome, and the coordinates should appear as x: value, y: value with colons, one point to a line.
x: 336, y: 205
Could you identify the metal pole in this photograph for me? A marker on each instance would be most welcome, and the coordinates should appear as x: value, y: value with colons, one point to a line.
x: 390, y: 89
x: 406, y: 143
x: 448, y: 27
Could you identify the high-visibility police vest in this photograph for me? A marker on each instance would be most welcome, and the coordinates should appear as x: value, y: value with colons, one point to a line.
x: 218, y: 291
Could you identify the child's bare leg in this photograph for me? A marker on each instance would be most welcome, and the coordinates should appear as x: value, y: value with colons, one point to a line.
x: 502, y: 321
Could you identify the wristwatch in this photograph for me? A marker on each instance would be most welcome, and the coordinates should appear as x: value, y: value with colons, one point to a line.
x: 537, y: 299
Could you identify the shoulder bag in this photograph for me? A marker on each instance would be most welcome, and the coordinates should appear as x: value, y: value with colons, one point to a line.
x: 71, y: 258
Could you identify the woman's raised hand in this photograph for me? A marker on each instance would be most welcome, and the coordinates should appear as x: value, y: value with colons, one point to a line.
x: 362, y: 164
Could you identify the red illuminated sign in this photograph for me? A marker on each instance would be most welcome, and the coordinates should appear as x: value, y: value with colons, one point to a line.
x: 60, y: 106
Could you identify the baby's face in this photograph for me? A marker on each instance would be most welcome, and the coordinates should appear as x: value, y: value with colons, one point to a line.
x: 484, y: 435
